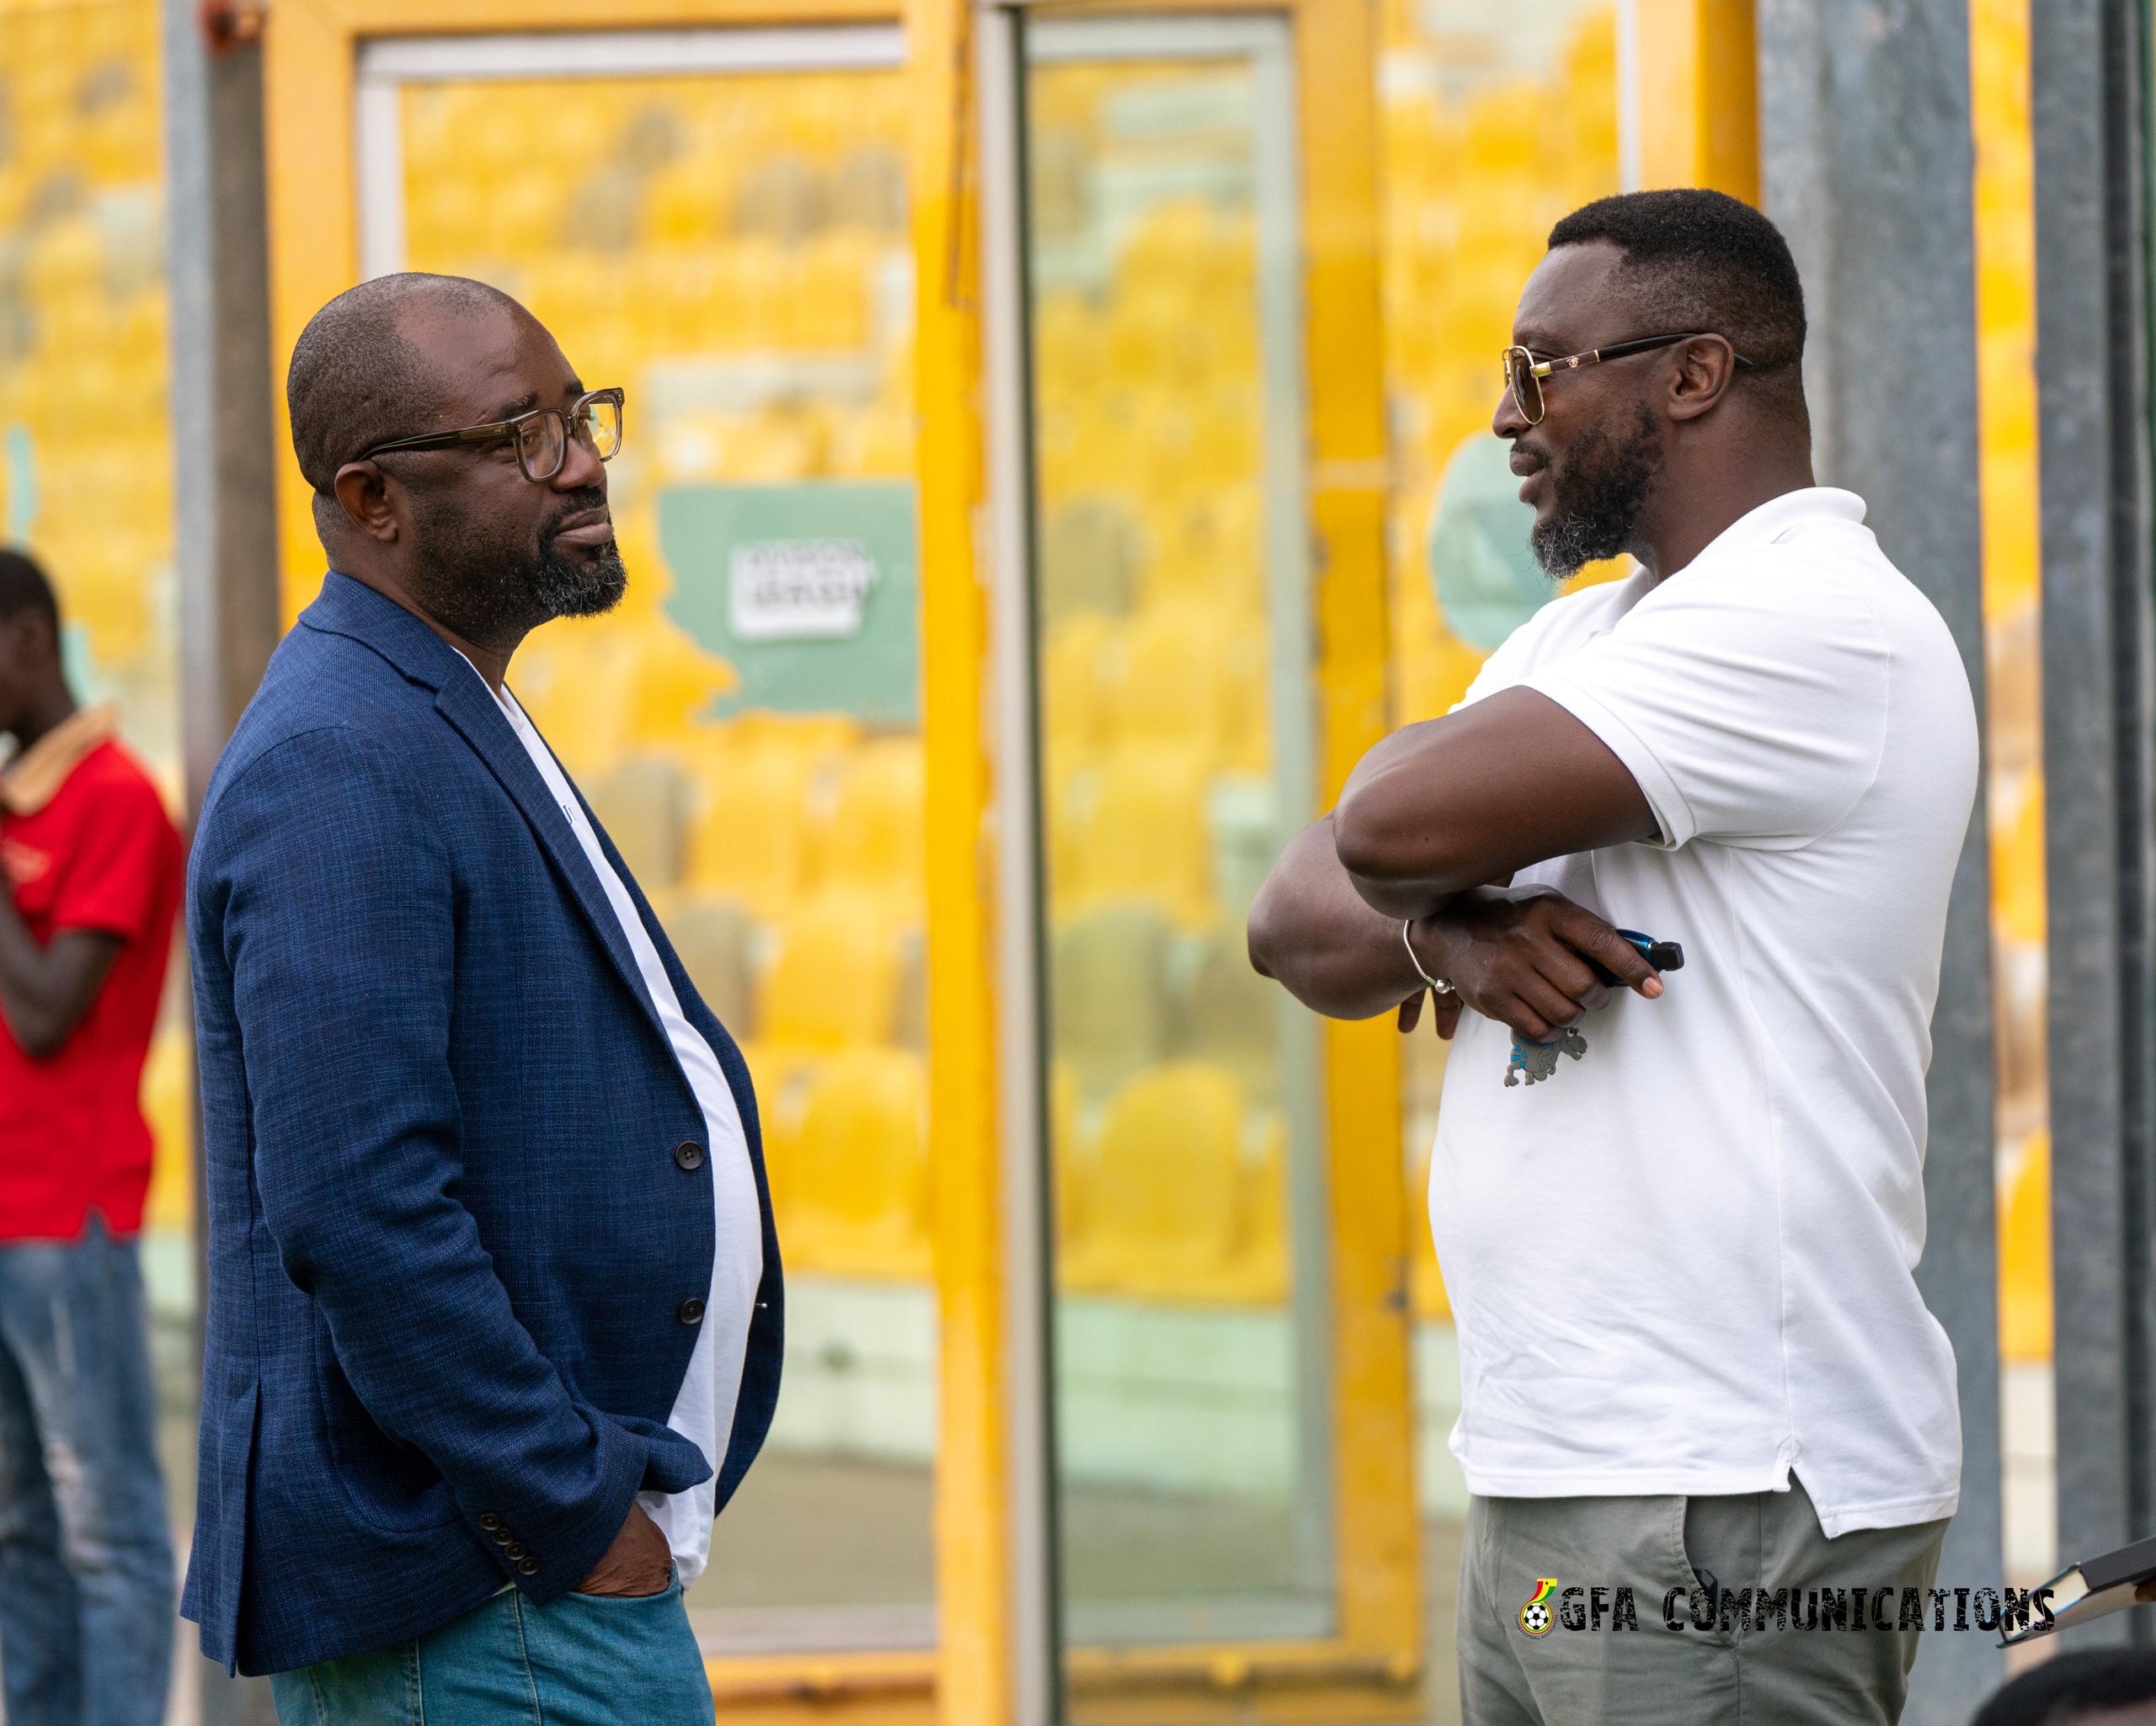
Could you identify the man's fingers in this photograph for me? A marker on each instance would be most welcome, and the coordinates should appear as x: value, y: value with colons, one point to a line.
x: 1411, y: 1011
x: 1548, y: 1003
x: 1601, y: 943
x: 1572, y: 976
x: 1447, y: 1016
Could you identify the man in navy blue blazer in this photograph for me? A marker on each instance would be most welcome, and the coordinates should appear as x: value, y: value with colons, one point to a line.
x: 493, y: 1305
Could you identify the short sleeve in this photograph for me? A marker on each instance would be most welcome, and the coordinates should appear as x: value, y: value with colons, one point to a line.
x: 119, y: 872
x: 1749, y: 704
x: 1506, y: 664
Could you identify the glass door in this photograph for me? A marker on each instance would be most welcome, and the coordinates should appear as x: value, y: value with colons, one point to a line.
x: 1199, y: 574
x: 1175, y: 674
x: 717, y: 221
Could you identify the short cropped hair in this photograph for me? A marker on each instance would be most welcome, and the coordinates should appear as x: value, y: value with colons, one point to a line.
x: 1702, y: 260
x: 24, y: 588
x: 356, y: 380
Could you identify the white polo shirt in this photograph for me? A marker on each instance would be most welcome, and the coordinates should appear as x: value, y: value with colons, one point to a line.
x: 703, y: 1408
x: 1683, y: 1263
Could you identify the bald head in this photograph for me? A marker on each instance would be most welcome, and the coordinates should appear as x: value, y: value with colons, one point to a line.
x: 358, y: 378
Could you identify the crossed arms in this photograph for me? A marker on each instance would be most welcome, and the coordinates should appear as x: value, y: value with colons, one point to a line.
x: 1432, y: 822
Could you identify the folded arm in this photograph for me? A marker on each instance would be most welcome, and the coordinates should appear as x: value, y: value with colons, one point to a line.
x: 1433, y: 821
x: 336, y: 907
x: 46, y: 991
x: 1507, y: 781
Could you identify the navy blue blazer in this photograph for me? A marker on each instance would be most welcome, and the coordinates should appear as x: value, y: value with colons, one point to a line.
x: 452, y: 1248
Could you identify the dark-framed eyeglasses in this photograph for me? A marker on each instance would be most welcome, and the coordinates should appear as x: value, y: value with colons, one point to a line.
x: 542, y: 436
x: 1524, y: 372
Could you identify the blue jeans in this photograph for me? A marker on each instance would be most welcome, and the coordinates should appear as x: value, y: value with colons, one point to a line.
x: 579, y: 1660
x: 86, y: 1573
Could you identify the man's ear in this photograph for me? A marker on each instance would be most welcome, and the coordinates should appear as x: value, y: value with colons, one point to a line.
x: 363, y: 494
x: 1705, y: 367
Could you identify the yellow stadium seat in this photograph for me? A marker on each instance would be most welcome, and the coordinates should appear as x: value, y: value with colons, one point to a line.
x: 642, y: 804
x: 1222, y: 1013
x: 832, y: 980
x: 1179, y: 1184
x: 873, y: 837
x: 1138, y: 830
x: 750, y: 837
x: 713, y: 938
x: 1109, y: 1011
x: 858, y: 1180
x: 1090, y: 554
x: 1076, y: 700
x: 1178, y: 680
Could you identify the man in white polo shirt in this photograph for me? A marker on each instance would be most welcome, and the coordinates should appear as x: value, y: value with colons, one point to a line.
x: 1693, y: 1352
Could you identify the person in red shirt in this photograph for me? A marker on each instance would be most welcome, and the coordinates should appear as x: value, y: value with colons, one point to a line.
x: 93, y: 868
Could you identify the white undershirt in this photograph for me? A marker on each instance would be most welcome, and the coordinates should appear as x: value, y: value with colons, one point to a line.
x: 703, y: 1409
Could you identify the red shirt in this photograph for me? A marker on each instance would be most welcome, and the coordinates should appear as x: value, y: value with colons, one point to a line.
x: 99, y: 853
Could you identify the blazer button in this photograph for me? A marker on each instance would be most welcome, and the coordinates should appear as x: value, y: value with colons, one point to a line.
x: 527, y: 1566
x: 692, y: 1311
x: 502, y: 1536
x: 489, y: 1522
x: 514, y: 1549
x: 689, y: 1154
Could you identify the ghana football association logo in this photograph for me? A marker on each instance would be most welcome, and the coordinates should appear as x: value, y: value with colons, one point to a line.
x: 1536, y: 1617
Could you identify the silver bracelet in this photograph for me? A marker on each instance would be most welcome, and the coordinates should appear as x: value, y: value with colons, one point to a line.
x: 1407, y: 926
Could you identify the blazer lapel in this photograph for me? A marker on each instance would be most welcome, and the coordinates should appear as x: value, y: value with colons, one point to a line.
x: 468, y: 704
x: 347, y: 607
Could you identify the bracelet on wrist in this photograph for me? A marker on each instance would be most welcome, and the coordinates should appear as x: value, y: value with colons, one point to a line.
x: 1438, y: 986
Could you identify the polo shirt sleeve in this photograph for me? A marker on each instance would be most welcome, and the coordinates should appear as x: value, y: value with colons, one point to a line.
x: 1748, y: 704
x: 1503, y: 668
x: 116, y: 872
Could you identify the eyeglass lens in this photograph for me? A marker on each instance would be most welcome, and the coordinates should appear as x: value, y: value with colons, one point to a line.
x: 541, y: 449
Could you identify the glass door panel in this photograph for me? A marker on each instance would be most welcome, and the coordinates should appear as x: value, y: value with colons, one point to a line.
x: 716, y: 220
x: 1191, y: 1407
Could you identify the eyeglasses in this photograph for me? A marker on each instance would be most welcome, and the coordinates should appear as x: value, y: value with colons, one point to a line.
x: 1524, y: 372
x: 542, y: 436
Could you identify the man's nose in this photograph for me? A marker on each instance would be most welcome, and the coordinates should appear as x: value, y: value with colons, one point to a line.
x: 581, y: 468
x: 1508, y: 421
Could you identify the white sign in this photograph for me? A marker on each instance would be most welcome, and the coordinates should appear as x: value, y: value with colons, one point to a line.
x: 798, y: 590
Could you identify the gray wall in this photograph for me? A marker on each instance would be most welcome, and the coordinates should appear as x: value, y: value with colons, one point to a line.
x: 1867, y: 163
x: 2087, y: 64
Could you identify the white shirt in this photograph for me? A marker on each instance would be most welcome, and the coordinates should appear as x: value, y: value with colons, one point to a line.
x: 703, y: 1408
x: 1682, y: 1264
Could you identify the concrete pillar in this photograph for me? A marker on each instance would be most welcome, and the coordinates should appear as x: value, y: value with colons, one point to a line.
x: 2092, y: 296
x: 1866, y: 163
x: 224, y: 451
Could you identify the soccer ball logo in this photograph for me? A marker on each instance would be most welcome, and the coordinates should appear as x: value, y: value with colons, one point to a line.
x: 1535, y: 1617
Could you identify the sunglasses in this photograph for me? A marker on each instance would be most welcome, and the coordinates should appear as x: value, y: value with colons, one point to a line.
x: 1524, y: 372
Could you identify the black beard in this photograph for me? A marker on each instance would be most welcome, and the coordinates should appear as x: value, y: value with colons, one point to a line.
x: 1598, y: 494
x: 486, y: 595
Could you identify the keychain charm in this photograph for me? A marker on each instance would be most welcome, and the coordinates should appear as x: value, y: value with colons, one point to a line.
x: 1536, y: 1062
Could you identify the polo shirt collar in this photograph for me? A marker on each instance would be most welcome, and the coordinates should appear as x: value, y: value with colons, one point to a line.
x: 34, y: 778
x: 1777, y: 516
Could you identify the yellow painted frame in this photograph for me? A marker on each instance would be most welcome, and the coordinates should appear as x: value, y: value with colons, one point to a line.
x: 1372, y: 1668
x: 1698, y: 95
x: 309, y: 55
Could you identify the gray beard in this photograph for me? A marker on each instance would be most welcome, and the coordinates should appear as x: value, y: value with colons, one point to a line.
x: 1605, y: 486
x: 571, y: 587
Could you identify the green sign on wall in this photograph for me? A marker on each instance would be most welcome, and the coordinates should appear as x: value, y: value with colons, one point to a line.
x: 809, y: 590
